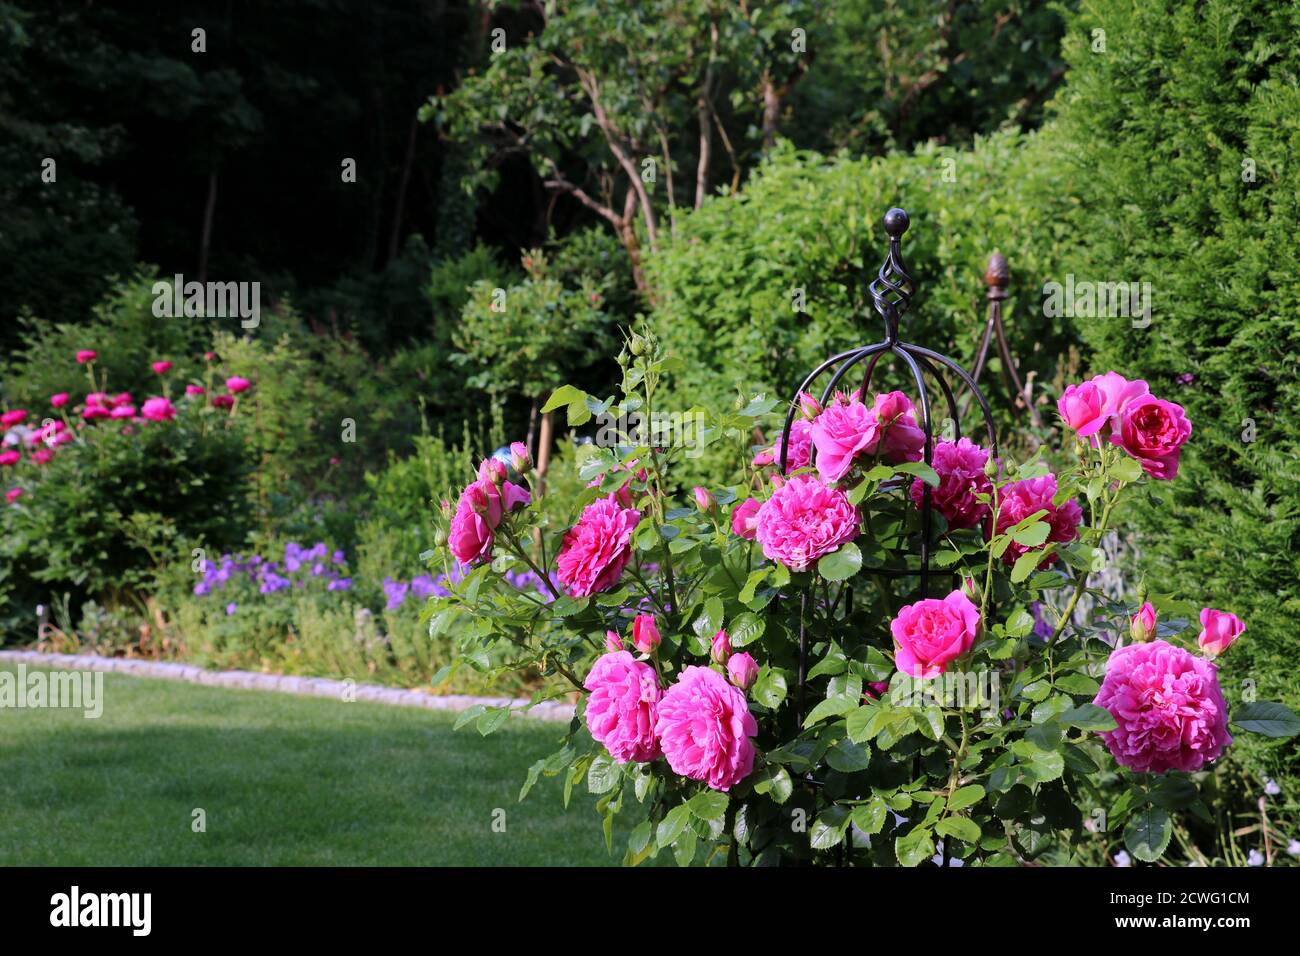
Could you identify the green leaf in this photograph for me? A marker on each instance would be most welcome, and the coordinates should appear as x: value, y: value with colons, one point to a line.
x: 751, y: 584
x: 671, y: 826
x: 564, y: 395
x: 770, y: 688
x: 777, y: 782
x: 708, y: 804
x: 1020, y: 623
x: 1024, y: 565
x: 965, y: 797
x: 492, y: 720
x: 962, y: 828
x: 1088, y: 717
x: 841, y: 564
x: 870, y: 816
x: 1080, y: 684
x: 1126, y: 469
x: 831, y: 707
x: 921, y: 470
x: 1267, y: 718
x: 1147, y: 833
x: 915, y: 847
x: 745, y: 628
x: 603, y: 774
x: 1033, y: 536
x: 848, y: 757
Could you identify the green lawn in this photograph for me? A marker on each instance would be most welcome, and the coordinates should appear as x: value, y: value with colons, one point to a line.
x: 284, y: 780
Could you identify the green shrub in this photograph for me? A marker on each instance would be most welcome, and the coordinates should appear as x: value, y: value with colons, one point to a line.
x: 1163, y: 129
x: 109, y: 509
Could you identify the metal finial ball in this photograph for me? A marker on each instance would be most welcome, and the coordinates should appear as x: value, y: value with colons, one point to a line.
x: 896, y: 222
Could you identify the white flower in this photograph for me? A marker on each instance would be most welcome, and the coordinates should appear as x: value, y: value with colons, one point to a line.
x: 1255, y: 859
x: 1293, y: 848
x: 1122, y: 859
x: 1271, y: 788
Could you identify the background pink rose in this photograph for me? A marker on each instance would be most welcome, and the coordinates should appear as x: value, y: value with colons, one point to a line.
x: 901, y: 439
x: 960, y: 466
x: 1020, y: 499
x: 803, y: 520
x: 931, y: 633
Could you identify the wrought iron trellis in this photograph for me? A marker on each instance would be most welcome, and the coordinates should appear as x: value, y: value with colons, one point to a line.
x: 892, y: 292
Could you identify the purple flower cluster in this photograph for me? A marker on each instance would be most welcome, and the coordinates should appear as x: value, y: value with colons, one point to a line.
x: 300, y: 565
x: 424, y: 586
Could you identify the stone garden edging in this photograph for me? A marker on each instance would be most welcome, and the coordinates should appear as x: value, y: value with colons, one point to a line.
x: 285, y: 684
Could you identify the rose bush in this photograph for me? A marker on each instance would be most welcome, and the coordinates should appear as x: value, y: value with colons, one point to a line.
x: 763, y: 677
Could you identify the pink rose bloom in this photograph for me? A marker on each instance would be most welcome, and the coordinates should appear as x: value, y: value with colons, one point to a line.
x: 931, y: 633
x: 645, y: 634
x: 743, y: 670
x: 158, y: 409
x: 720, y: 648
x: 1082, y: 408
x: 470, y: 536
x: 1022, y: 498
x: 1142, y: 625
x: 87, y: 355
x: 960, y: 467
x: 1118, y: 392
x: 844, y: 430
x: 1153, y: 431
x: 901, y: 439
x: 121, y: 398
x: 621, y: 710
x: 704, y: 729
x: 1218, y: 630
x: 59, y: 399
x: 99, y: 398
x: 209, y: 356
x: 92, y: 412
x: 42, y: 456
x: 236, y: 384
x: 13, y: 494
x: 8, y: 458
x: 122, y: 411
x: 15, y: 417
x: 803, y: 520
x: 1169, y: 708
x: 800, y: 448
x: 744, y: 519
x: 223, y: 401
x: 597, y: 548
x: 194, y: 391
x: 162, y: 368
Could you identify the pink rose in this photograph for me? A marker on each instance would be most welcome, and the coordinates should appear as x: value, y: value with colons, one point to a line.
x: 237, y: 384
x: 703, y: 500
x: 121, y: 398
x: 645, y: 634
x: 960, y: 467
x: 803, y: 520
x: 844, y: 430
x: 13, y: 494
x: 209, y: 356
x: 1167, y: 704
x: 99, y: 398
x: 800, y: 448
x: 86, y: 355
x: 1153, y: 431
x: 223, y: 401
x: 1022, y: 498
x: 704, y: 729
x: 158, y: 409
x: 162, y: 368
x: 1118, y: 392
x: 15, y: 417
x: 9, y: 458
x: 470, y: 537
x: 520, y: 460
x: 901, y: 439
x: 744, y: 519
x: 194, y: 391
x: 809, y: 407
x: 59, y: 399
x: 492, y: 471
x: 931, y: 633
x: 720, y: 648
x: 42, y: 456
x: 743, y: 670
x: 1142, y: 626
x: 597, y: 548
x: 1218, y: 630
x: 621, y: 709
x: 122, y: 411
x: 1082, y: 408
x: 92, y: 412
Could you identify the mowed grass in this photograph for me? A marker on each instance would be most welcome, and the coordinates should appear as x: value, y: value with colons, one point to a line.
x: 284, y: 780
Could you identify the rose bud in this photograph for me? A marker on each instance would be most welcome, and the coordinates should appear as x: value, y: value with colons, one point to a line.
x: 743, y: 670
x: 613, y: 642
x: 477, y: 498
x: 720, y: 649
x: 494, y: 470
x: 1218, y: 630
x: 809, y: 407
x: 520, y: 460
x: 645, y: 634
x: 1142, y: 626
x: 703, y: 500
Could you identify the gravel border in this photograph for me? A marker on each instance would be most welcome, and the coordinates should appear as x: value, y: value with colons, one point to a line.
x: 303, y: 686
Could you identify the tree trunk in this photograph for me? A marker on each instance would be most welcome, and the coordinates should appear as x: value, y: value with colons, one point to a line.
x: 544, y: 451
x: 771, y: 112
x: 205, y: 237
